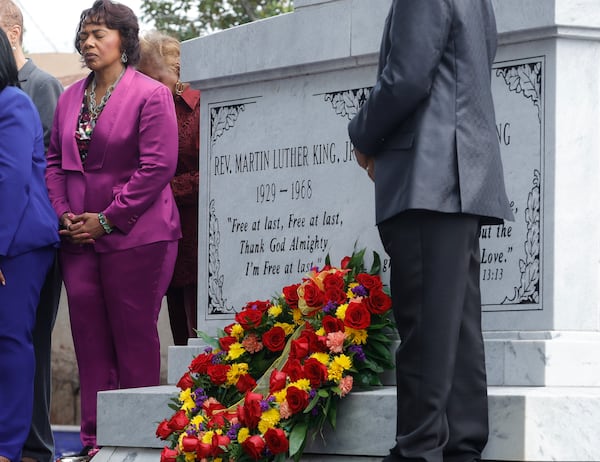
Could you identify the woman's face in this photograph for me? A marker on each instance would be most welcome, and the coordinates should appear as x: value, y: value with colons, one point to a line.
x: 100, y: 46
x: 159, y: 71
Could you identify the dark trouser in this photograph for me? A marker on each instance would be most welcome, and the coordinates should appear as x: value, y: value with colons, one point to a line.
x: 183, y: 308
x: 40, y: 442
x: 19, y: 298
x: 440, y: 365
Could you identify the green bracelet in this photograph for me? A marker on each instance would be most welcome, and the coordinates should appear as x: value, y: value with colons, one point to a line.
x: 104, y: 223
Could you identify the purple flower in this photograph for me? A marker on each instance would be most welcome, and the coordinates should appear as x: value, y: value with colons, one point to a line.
x: 233, y: 431
x: 330, y: 307
x: 358, y: 352
x: 359, y: 291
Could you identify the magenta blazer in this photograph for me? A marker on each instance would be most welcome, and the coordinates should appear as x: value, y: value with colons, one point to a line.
x: 131, y: 160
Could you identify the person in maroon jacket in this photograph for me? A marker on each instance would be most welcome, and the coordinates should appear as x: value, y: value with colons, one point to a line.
x: 160, y: 60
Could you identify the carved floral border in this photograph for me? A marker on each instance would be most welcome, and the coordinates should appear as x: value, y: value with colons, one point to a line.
x: 526, y: 79
x: 222, y: 119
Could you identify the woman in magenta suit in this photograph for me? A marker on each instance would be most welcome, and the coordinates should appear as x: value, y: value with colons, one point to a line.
x: 28, y: 235
x: 112, y: 153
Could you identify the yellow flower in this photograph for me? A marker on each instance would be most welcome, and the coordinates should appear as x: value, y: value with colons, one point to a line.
x: 357, y: 336
x: 343, y: 361
x: 297, y: 316
x: 237, y: 331
x: 302, y: 384
x: 320, y: 331
x: 188, y: 405
x: 197, y: 420
x: 207, y: 437
x: 185, y: 394
x: 268, y: 420
x: 323, y: 358
x: 349, y: 292
x: 288, y: 328
x: 280, y: 395
x: 234, y: 373
x: 235, y: 351
x: 335, y: 373
x: 243, y: 434
x: 274, y: 311
x: 190, y: 456
x: 341, y: 311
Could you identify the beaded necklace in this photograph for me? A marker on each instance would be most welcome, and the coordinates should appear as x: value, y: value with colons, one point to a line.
x: 89, y: 115
x: 96, y: 109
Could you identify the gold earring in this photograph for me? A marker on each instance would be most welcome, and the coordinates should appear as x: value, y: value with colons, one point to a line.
x: 179, y: 88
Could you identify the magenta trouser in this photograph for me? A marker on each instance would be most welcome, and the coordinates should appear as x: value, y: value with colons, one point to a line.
x: 114, y: 302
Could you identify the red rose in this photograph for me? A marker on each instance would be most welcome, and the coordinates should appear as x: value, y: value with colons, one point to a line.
x: 276, y: 440
x: 168, y: 455
x: 201, y: 362
x: 249, y: 414
x: 186, y: 381
x: 334, y: 281
x: 203, y: 450
x: 297, y: 399
x: 163, y: 431
x: 313, y: 296
x: 219, y: 443
x: 378, y: 302
x: 357, y: 316
x: 261, y: 305
x: 189, y: 443
x: 293, y: 369
x: 315, y: 371
x: 274, y: 339
x: 212, y: 406
x: 336, y: 296
x: 228, y: 329
x: 179, y: 421
x: 369, y: 282
x: 249, y: 319
x: 332, y: 324
x: 314, y: 344
x: 290, y: 293
x: 345, y: 261
x: 277, y: 381
x: 254, y: 446
x: 226, y: 342
x: 299, y: 349
x: 245, y: 383
x: 218, y: 373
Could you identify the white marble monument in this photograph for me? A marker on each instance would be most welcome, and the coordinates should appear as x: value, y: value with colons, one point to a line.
x: 280, y: 191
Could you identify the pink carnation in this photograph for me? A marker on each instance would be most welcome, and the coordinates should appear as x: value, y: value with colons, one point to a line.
x: 335, y: 341
x: 284, y: 410
x: 346, y: 384
x: 252, y: 344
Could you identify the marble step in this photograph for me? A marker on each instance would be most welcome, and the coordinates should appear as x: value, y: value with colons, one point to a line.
x: 526, y: 423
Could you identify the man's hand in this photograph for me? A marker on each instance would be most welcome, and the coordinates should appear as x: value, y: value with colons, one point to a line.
x: 366, y: 162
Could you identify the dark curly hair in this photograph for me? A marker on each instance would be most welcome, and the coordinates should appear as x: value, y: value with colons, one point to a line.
x: 118, y: 17
x: 8, y: 66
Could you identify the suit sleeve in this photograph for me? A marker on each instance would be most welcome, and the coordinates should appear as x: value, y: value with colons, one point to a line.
x: 157, y: 164
x: 418, y: 32
x: 55, y: 175
x: 16, y: 158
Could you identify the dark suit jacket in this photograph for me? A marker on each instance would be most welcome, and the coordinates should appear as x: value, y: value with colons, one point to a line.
x: 429, y: 121
x: 27, y: 221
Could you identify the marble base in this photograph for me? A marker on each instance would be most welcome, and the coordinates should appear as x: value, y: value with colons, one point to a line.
x: 543, y: 358
x: 526, y: 423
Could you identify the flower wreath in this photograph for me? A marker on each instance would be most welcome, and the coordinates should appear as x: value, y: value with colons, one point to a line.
x: 278, y: 373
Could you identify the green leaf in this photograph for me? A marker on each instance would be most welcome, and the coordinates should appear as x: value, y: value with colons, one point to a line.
x: 323, y: 393
x: 209, y: 340
x: 376, y: 266
x: 297, y: 437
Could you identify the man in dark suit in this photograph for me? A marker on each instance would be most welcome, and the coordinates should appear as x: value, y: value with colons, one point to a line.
x: 427, y: 137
